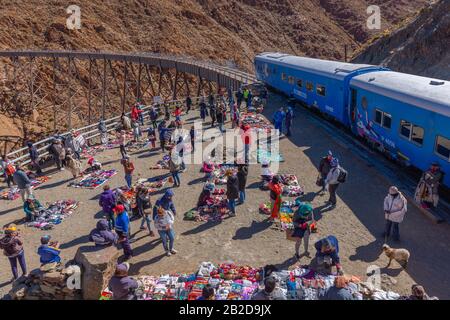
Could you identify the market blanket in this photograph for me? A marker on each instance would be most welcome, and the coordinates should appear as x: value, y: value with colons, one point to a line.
x: 53, y: 214
x: 13, y: 193
x: 94, y: 179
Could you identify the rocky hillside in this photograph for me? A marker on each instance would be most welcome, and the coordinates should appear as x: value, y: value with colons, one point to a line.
x: 420, y: 47
x: 224, y: 31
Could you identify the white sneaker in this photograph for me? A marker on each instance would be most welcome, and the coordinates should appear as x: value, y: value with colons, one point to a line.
x: 168, y: 253
x: 173, y: 251
x: 62, y: 169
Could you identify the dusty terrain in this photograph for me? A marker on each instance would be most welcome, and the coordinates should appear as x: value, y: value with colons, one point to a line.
x: 248, y: 238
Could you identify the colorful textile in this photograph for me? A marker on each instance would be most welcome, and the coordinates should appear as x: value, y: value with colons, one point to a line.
x: 94, y: 179
x: 54, y: 214
x: 13, y: 193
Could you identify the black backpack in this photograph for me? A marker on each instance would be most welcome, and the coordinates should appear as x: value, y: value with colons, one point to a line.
x: 342, y: 175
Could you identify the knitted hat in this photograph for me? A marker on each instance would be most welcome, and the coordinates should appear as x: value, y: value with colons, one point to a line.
x: 45, y: 239
x: 305, y: 209
x: 119, y: 208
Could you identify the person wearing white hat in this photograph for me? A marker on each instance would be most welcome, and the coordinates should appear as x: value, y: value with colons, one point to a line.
x: 395, y: 207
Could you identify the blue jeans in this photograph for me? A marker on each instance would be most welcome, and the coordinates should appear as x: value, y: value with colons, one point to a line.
x: 176, y: 178
x: 167, y: 236
x: 242, y: 196
x: 13, y: 262
x: 148, y: 220
x: 232, y: 205
x: 221, y: 127
x: 128, y: 179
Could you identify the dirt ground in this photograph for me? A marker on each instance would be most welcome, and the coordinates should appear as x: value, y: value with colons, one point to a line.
x: 357, y: 221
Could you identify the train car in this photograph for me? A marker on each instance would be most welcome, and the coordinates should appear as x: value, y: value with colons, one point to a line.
x: 405, y: 115
x: 317, y: 83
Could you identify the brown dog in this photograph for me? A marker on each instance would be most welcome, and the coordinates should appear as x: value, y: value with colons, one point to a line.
x: 399, y: 255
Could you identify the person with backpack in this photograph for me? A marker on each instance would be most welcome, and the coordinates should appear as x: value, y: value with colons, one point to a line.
x: 8, y: 169
x: 324, y: 169
x: 336, y: 176
x: 23, y: 183
x: 12, y: 246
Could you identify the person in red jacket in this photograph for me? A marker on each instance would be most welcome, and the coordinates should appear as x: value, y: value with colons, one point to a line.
x: 276, y: 189
x: 136, y: 113
x: 246, y: 138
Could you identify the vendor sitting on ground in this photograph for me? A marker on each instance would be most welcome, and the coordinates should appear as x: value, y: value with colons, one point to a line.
x: 270, y: 291
x: 340, y: 290
x: 206, y: 195
x: 208, y: 293
x: 102, y: 235
x: 418, y: 293
x: 32, y: 207
x: 327, y: 255
x: 121, y: 285
x: 49, y: 251
x: 94, y: 164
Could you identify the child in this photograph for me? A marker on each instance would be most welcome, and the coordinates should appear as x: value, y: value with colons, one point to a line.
x: 151, y: 134
x: 94, y: 164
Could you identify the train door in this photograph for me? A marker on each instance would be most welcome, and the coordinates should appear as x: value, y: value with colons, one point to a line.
x: 353, y: 107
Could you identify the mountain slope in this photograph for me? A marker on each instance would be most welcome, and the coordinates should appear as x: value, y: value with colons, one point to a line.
x: 421, y: 47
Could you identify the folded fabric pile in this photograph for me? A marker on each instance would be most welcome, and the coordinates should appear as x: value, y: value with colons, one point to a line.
x: 136, y: 146
x: 94, y: 179
x: 291, y: 187
x: 232, y: 282
x: 162, y: 164
x: 256, y: 121
x: 89, y: 152
x: 54, y: 214
x: 13, y: 193
x: 114, y: 143
x: 219, y: 174
x: 264, y: 155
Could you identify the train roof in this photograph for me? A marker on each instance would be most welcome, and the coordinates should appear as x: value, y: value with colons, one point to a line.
x: 427, y: 93
x: 334, y: 69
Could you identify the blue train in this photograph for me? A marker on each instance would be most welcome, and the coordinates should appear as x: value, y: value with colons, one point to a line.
x: 405, y: 116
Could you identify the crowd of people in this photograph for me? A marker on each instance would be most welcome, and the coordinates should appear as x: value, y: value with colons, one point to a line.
x: 160, y: 215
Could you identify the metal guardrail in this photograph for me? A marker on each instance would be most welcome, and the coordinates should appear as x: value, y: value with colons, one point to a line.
x: 91, y: 131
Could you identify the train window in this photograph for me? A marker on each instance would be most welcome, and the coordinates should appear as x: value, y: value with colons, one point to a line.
x: 321, y: 90
x: 383, y: 119
x: 283, y: 76
x: 291, y: 80
x: 309, y: 86
x: 300, y: 83
x: 412, y: 132
x: 417, y: 134
x: 442, y: 147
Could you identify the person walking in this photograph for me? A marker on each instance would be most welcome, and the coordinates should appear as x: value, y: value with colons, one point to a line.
x: 122, y: 225
x: 108, y: 202
x: 203, y: 109
x: 395, y: 208
x: 288, y: 120
x: 278, y: 119
x: 303, y: 220
x: 332, y: 181
x: 34, y: 157
x: 153, y: 117
x: 166, y: 202
x: 427, y: 191
x: 192, y: 135
x: 122, y: 137
x: 232, y: 192
x: 213, y: 114
x: 144, y: 205
x: 73, y: 164
x: 220, y: 118
x: 242, y: 180
x: 174, y: 169
x: 164, y: 220
x: 128, y: 168
x: 23, y: 183
x: 12, y: 246
x: 162, y: 135
x: 324, y: 169
x: 8, y: 169
x: 188, y: 104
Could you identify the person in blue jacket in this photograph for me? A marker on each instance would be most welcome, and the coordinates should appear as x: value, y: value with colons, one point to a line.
x: 49, y: 251
x: 288, y: 120
x: 327, y: 254
x: 278, y: 119
x: 165, y: 202
x: 122, y: 227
